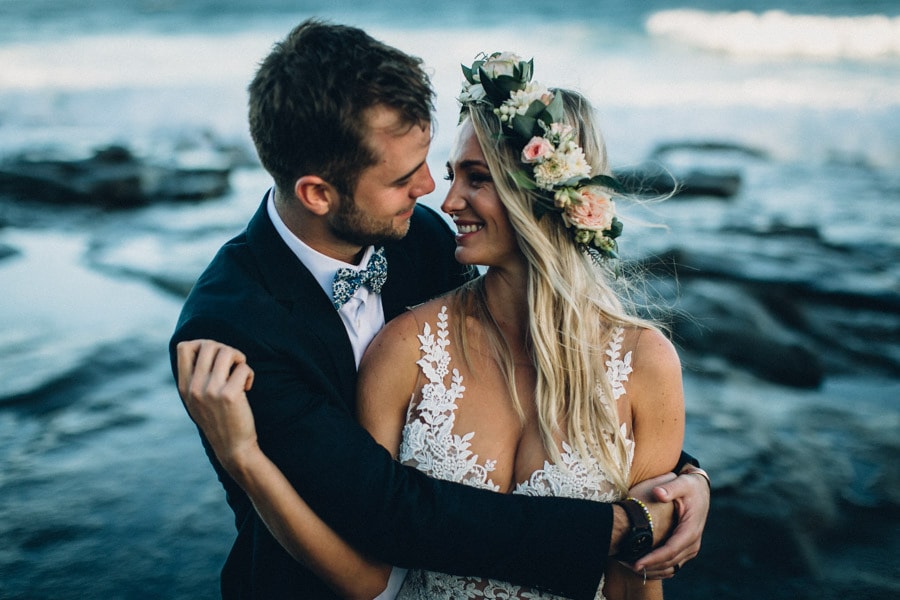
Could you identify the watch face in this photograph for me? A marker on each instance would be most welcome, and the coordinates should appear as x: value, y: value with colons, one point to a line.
x: 641, y: 541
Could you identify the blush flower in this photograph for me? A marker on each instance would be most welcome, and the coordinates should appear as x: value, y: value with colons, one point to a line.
x: 537, y: 150
x: 594, y: 211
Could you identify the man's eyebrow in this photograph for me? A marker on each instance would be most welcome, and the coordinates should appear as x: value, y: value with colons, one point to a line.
x: 406, y: 176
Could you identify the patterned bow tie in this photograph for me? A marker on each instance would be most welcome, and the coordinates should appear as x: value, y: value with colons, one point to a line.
x: 347, y: 281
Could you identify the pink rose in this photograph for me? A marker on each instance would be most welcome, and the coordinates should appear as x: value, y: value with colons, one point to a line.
x: 595, y: 211
x: 536, y: 150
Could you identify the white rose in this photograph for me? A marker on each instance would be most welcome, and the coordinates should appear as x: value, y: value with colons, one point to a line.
x: 501, y: 63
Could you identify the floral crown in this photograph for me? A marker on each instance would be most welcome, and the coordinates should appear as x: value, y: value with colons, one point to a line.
x: 554, y: 166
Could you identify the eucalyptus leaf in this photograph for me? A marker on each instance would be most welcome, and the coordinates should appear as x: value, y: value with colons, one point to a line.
x: 527, y: 69
x: 523, y: 181
x: 524, y: 126
x: 556, y: 109
x: 467, y: 73
x: 615, y: 229
x: 535, y: 108
x: 509, y: 84
x: 607, y: 182
x: 497, y: 94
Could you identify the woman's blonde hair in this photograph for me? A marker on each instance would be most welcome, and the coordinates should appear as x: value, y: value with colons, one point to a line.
x: 573, y: 305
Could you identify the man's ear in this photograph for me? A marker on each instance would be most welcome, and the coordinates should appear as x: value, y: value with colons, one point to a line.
x: 315, y: 194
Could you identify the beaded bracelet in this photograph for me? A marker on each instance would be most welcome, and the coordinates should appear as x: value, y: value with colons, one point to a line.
x: 645, y: 509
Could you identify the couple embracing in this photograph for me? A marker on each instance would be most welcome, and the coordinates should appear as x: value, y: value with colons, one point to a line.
x: 385, y: 421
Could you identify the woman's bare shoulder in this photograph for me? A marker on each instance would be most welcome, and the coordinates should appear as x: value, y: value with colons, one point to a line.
x: 653, y: 353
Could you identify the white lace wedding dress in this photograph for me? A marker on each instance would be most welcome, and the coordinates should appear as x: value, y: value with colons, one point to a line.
x: 430, y: 444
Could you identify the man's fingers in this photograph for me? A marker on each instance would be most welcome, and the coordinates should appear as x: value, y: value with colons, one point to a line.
x: 678, y: 549
x: 239, y: 380
x: 187, y: 353
x: 205, y: 365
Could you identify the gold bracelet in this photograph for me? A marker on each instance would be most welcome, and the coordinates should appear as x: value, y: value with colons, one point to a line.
x: 701, y: 473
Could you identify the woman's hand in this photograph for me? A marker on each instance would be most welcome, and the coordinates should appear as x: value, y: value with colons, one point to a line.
x: 213, y: 380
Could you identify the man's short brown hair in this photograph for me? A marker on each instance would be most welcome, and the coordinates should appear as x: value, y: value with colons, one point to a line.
x: 309, y: 97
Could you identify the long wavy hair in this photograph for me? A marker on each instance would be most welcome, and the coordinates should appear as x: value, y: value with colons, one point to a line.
x: 574, y: 305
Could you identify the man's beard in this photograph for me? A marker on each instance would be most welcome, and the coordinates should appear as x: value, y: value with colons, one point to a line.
x: 352, y: 225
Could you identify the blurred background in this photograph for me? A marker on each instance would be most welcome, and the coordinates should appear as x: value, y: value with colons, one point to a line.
x: 125, y: 163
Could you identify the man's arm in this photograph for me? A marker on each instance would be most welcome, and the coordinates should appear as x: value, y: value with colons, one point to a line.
x: 400, y: 515
x: 228, y: 424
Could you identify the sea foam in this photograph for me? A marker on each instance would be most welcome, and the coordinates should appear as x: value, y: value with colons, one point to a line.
x: 778, y: 34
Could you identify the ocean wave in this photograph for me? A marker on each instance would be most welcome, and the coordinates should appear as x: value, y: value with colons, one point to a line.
x: 778, y: 34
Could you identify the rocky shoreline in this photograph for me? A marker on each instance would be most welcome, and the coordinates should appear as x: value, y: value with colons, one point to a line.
x: 790, y: 342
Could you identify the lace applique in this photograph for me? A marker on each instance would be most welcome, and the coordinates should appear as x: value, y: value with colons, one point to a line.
x: 430, y: 445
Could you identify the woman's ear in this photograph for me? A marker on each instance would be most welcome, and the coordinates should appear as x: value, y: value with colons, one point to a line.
x: 315, y: 194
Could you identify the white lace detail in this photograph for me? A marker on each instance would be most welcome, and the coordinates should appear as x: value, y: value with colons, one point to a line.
x: 430, y: 445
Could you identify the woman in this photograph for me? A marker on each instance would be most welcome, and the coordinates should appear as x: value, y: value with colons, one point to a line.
x: 532, y: 379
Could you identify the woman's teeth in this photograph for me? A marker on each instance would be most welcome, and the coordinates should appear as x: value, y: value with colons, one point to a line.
x: 468, y: 228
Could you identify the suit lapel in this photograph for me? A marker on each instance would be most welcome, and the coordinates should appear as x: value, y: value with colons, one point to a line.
x: 294, y: 287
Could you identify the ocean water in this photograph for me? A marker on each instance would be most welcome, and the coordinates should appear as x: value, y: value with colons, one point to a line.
x: 104, y: 489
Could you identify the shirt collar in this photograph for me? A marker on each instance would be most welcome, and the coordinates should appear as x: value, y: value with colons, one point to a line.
x: 323, y: 268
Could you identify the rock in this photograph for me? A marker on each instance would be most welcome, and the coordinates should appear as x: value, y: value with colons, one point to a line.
x: 7, y: 251
x: 712, y: 147
x: 786, y: 310
x: 725, y: 320
x: 652, y: 180
x: 113, y: 177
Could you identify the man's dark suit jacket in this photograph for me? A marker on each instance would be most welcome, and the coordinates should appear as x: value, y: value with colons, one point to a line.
x: 257, y: 296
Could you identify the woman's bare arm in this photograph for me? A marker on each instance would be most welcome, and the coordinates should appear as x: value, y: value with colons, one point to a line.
x: 655, y: 395
x: 387, y: 380
x: 213, y: 380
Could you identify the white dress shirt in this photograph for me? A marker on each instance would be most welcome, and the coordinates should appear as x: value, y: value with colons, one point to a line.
x: 362, y: 315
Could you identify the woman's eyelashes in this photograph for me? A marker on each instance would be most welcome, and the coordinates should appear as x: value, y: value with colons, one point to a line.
x: 474, y: 177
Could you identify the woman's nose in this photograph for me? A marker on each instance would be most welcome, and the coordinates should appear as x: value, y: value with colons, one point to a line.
x: 454, y: 201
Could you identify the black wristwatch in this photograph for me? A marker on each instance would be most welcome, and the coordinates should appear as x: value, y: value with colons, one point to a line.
x: 639, y: 539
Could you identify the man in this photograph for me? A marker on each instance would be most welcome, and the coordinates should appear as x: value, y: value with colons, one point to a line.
x: 342, y: 123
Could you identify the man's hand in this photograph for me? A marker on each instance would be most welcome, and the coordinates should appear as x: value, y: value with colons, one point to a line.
x: 690, y: 492
x: 213, y: 380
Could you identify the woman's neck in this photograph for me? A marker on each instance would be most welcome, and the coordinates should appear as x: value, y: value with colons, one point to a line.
x: 506, y: 297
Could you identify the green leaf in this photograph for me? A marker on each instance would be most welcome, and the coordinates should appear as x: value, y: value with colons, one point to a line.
x: 524, y: 126
x: 497, y: 94
x: 508, y: 83
x: 607, y: 182
x: 542, y: 206
x: 467, y: 73
x: 615, y: 229
x: 527, y: 69
x: 555, y: 110
x: 535, y: 108
x: 523, y: 181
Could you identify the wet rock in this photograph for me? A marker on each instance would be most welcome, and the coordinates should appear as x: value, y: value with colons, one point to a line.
x: 784, y: 306
x: 7, y: 252
x: 113, y: 177
x: 654, y: 180
x: 726, y: 321
x: 708, y: 147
